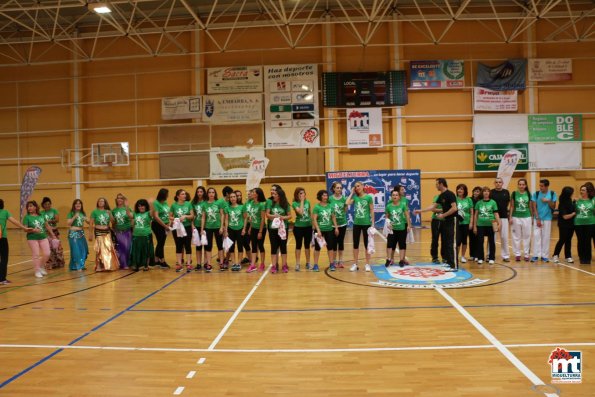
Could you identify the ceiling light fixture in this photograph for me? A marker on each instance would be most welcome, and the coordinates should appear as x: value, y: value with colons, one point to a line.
x: 99, y: 7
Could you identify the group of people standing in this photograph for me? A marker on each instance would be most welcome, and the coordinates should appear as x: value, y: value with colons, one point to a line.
x: 528, y: 216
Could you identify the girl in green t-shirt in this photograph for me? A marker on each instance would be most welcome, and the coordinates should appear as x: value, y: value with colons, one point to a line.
x: 584, y: 225
x: 302, y: 228
x: 339, y: 204
x: 245, y: 240
x: 213, y: 223
x: 37, y: 229
x: 182, y: 210
x: 397, y: 212
x: 279, y: 208
x: 4, y: 217
x: 325, y: 224
x: 106, y: 258
x: 235, y: 218
x: 486, y: 215
x: 79, y: 249
x: 56, y: 251
x: 200, y: 196
x: 519, y: 218
x: 465, y: 213
x: 142, y: 252
x: 363, y: 219
x: 122, y: 229
x: 256, y: 210
x: 160, y: 226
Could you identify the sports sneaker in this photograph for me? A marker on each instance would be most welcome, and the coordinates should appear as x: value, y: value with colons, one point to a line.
x: 401, y: 263
x: 463, y: 259
x: 274, y: 269
x: 545, y: 260
x: 245, y: 261
x: 315, y: 268
x: 178, y: 267
x: 491, y: 261
x: 444, y: 261
x: 164, y: 265
x: 189, y: 268
x: 480, y: 261
x: 526, y: 258
x: 5, y: 282
x: 507, y: 259
x: 198, y: 268
x: 534, y: 259
x: 436, y: 261
x: 208, y: 268
x: 354, y: 268
x: 285, y: 268
x: 146, y: 268
x: 517, y: 258
x: 368, y: 268
x: 43, y: 272
x: 308, y: 266
x: 236, y: 267
x: 332, y: 267
x: 449, y: 269
x: 38, y: 274
x: 387, y: 263
x: 340, y: 265
x: 251, y: 268
x: 261, y: 267
x: 297, y: 267
x: 555, y: 259
x: 405, y: 262
x: 569, y: 260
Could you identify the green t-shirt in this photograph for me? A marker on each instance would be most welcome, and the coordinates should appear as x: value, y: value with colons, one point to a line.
x: 79, y: 221
x: 4, y: 215
x: 303, y: 220
x: 121, y: 218
x: 324, y: 217
x: 396, y: 214
x: 521, y: 205
x: 198, y: 209
x: 101, y: 217
x: 179, y: 210
x: 464, y: 207
x: 213, y: 214
x: 584, y: 212
x: 276, y: 209
x: 438, y: 206
x: 235, y: 216
x: 338, y: 205
x: 362, y: 210
x: 142, y: 224
x: 36, y: 222
x: 50, y: 216
x: 254, y: 211
x: 162, y: 211
x: 485, y: 212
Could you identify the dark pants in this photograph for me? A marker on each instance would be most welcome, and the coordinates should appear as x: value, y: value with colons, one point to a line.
x: 483, y: 231
x: 462, y: 235
x: 357, y: 229
x: 160, y: 236
x: 331, y: 241
x: 277, y: 244
x: 218, y: 239
x: 448, y: 238
x: 3, y: 258
x: 564, y: 239
x: 341, y: 238
x: 584, y: 234
x: 303, y: 235
x: 256, y: 243
x: 472, y: 244
x: 435, y: 238
x: 183, y: 243
x: 236, y: 237
x: 398, y: 236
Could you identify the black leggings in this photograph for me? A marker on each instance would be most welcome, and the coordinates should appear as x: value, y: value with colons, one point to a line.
x: 257, y: 244
x: 218, y: 239
x: 160, y: 236
x: 340, y: 239
x: 183, y: 243
x: 356, y: 231
x: 488, y: 231
x: 302, y: 234
x: 462, y: 235
x: 3, y: 258
x: 331, y: 241
x: 236, y: 237
x: 584, y: 234
x: 277, y: 243
x: 398, y: 236
x: 564, y: 239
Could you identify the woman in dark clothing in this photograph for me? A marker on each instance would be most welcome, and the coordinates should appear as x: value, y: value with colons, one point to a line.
x: 566, y: 213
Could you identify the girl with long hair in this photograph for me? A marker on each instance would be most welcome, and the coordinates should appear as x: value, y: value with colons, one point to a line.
x: 520, y: 216
x: 325, y: 224
x: 182, y: 210
x: 122, y: 216
x: 200, y: 196
x: 257, y: 215
x: 37, y: 229
x: 302, y: 227
x: 106, y: 258
x: 486, y: 215
x: 160, y: 226
x: 362, y: 221
x: 235, y: 218
x: 397, y: 211
x: 465, y: 208
x: 566, y: 214
x: 338, y: 203
x: 213, y: 223
x: 142, y: 252
x: 56, y: 251
x: 245, y: 239
x: 278, y: 208
x: 475, y: 197
x: 79, y: 250
x: 584, y: 225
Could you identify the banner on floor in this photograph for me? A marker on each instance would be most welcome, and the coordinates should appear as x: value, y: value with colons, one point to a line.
x: 227, y: 108
x: 437, y: 74
x: 182, y: 107
x: 555, y: 127
x: 488, y: 100
x: 364, y: 128
x: 379, y: 184
x: 232, y: 163
x: 489, y: 157
x: 234, y: 79
x: 509, y: 75
x: 291, y: 106
x: 550, y: 69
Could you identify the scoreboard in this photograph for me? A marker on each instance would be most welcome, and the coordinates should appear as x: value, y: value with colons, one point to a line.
x: 364, y: 89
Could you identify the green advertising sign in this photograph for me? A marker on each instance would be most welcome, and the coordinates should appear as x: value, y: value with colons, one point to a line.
x: 488, y: 157
x: 280, y: 108
x: 555, y: 127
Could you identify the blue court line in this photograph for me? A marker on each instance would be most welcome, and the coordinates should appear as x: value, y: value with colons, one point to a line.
x: 112, y: 318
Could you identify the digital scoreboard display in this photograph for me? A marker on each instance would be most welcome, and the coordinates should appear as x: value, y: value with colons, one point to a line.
x: 364, y: 89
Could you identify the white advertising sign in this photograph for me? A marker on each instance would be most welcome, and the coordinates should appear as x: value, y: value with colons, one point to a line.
x: 226, y: 108
x: 234, y: 79
x: 364, y: 127
x: 494, y: 101
x: 550, y: 69
x: 184, y: 107
x: 555, y: 156
x: 502, y: 128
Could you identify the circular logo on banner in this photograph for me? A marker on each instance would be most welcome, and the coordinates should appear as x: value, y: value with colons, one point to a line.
x: 423, y: 275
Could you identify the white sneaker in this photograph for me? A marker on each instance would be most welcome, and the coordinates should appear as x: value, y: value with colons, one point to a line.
x: 38, y: 274
x: 491, y: 262
x: 555, y: 259
x: 463, y: 259
x: 569, y: 260
x: 480, y: 261
x: 354, y: 268
x: 43, y: 272
x: 368, y: 268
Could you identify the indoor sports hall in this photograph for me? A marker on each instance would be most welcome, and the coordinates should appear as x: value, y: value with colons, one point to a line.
x: 122, y: 99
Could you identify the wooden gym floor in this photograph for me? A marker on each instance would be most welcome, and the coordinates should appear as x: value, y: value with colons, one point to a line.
x: 162, y: 333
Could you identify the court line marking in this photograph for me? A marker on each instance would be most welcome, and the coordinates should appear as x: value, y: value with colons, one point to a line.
x: 201, y: 360
x: 292, y: 351
x: 238, y: 310
x: 496, y: 343
x: 179, y: 391
x: 190, y: 374
x: 574, y: 268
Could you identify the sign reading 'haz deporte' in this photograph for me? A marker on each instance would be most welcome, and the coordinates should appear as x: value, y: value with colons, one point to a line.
x: 488, y: 157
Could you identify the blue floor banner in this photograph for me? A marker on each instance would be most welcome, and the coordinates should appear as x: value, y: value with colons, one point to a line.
x: 379, y: 184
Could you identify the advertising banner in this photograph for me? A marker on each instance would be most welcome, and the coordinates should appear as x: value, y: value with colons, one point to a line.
x: 235, y: 79
x: 508, y: 166
x: 437, y: 74
x: 184, y: 107
x: 232, y: 163
x: 364, y: 127
x: 494, y: 101
x: 555, y: 127
x: 256, y: 172
x: 489, y: 157
x: 232, y: 107
x: 489, y: 128
x: 555, y: 156
x: 379, y: 184
x: 509, y: 75
x: 291, y: 106
x: 550, y: 69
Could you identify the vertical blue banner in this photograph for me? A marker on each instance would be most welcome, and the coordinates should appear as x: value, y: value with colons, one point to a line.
x: 379, y: 184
